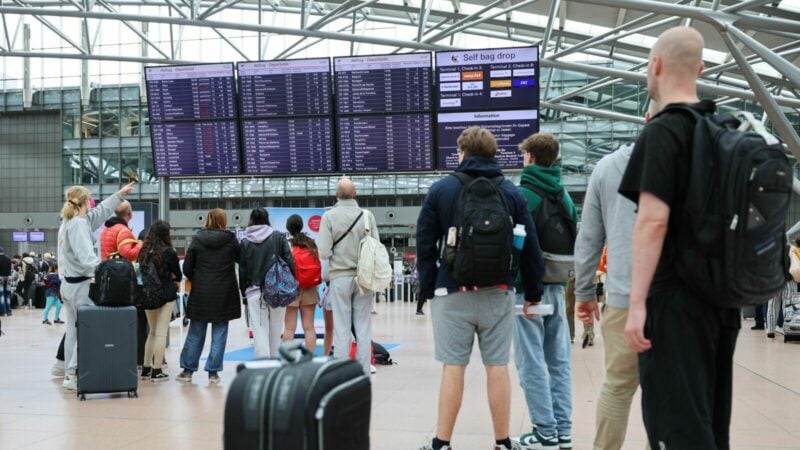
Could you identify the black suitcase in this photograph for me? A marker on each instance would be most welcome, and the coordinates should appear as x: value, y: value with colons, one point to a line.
x: 39, y: 300
x: 302, y: 403
x: 107, y: 350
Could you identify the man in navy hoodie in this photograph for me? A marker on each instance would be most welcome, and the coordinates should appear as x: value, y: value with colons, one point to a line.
x: 460, y: 312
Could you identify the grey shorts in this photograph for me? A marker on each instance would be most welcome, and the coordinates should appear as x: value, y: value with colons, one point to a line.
x: 457, y: 317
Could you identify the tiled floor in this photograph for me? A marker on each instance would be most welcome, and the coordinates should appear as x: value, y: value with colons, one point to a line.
x: 36, y: 413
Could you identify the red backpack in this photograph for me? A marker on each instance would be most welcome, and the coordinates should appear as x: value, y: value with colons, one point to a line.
x: 308, y: 268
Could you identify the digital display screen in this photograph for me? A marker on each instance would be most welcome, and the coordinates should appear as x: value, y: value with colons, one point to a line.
x: 195, y: 148
x: 19, y: 236
x: 285, y: 88
x: 385, y: 120
x: 510, y: 128
x: 387, y: 142
x: 469, y: 80
x: 287, y: 121
x: 279, y: 146
x: 193, y: 119
x: 36, y: 236
x: 383, y: 84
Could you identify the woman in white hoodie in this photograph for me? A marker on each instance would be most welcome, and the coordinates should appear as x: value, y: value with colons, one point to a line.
x: 259, y: 246
x: 77, y: 260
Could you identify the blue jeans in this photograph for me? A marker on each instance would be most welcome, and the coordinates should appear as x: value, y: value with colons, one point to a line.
x: 5, y: 296
x: 542, y: 354
x: 196, y: 338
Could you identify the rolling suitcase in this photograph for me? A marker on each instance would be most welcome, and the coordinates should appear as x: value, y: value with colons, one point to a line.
x: 302, y: 403
x: 107, y: 350
x: 791, y: 318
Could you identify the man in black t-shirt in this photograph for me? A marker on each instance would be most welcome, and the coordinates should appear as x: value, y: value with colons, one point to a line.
x: 686, y: 344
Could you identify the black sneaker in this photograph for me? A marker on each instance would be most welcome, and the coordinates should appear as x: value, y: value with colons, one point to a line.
x: 147, y: 372
x: 420, y: 313
x: 46, y: 322
x: 58, y: 321
x: 158, y: 375
x: 771, y: 335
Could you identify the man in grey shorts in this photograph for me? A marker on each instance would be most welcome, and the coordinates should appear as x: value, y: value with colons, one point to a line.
x: 460, y: 312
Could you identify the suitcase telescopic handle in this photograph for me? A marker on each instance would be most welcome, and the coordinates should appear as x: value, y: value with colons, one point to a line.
x: 295, y: 352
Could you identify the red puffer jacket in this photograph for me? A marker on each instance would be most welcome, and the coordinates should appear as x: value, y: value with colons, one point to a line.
x: 117, y: 237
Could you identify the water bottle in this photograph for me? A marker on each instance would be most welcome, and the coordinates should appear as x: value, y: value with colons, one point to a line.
x: 519, y: 236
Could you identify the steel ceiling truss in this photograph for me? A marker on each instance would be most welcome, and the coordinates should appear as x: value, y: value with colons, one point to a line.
x: 436, y: 29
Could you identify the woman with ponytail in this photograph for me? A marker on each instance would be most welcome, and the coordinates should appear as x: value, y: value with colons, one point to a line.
x: 309, y: 275
x: 77, y: 260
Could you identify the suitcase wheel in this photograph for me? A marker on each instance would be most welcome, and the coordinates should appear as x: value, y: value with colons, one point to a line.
x: 133, y: 394
x: 82, y: 397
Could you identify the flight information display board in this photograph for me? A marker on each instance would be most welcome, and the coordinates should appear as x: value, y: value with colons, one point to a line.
x: 386, y: 142
x: 285, y: 88
x: 510, y: 128
x: 195, y: 148
x: 193, y: 119
x: 287, y: 120
x: 286, y: 146
x: 384, y: 105
x: 383, y: 84
x: 470, y: 80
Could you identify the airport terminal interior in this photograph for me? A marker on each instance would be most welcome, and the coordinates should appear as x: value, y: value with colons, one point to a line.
x: 247, y: 104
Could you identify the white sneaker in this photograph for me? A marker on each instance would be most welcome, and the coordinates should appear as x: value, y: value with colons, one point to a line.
x: 70, y: 382
x: 59, y: 369
x: 373, y: 369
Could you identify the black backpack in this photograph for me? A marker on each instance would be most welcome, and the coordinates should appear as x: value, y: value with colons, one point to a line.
x: 731, y: 246
x: 483, y: 254
x: 556, y: 231
x: 114, y: 282
x: 381, y: 355
x: 156, y: 289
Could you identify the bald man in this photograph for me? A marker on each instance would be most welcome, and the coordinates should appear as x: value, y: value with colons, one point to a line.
x: 686, y: 353
x: 117, y: 237
x: 339, y: 241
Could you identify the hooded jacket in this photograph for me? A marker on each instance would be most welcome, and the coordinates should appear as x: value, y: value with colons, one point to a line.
x: 608, y: 218
x: 436, y: 216
x: 259, y: 245
x: 547, y: 179
x: 117, y: 237
x: 76, y: 255
x: 210, y: 265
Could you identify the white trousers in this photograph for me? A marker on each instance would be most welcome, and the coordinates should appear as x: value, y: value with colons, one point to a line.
x: 267, y: 324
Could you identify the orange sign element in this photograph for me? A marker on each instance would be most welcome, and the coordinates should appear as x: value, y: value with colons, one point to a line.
x: 500, y: 84
x: 472, y: 76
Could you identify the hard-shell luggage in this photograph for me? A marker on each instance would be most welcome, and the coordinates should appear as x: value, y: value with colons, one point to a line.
x: 107, y: 350
x: 299, y: 403
x: 791, y: 318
